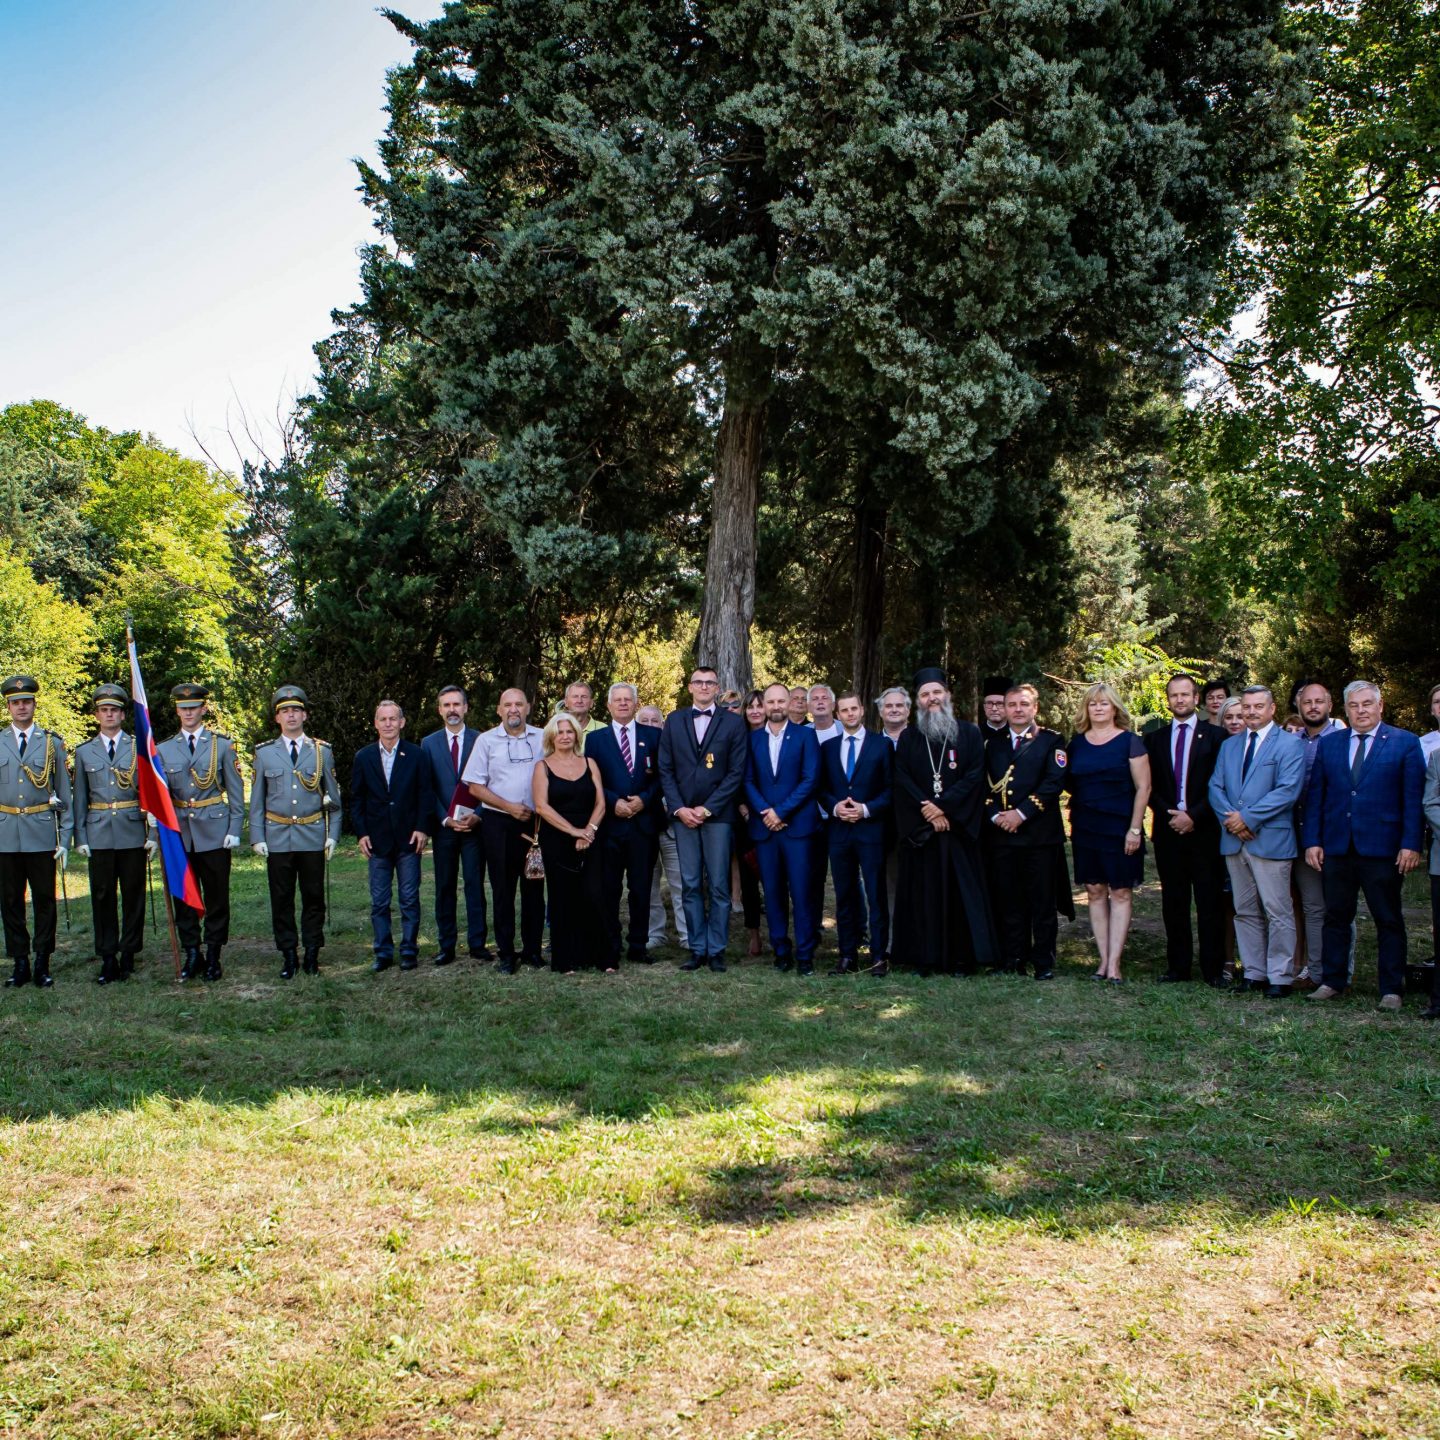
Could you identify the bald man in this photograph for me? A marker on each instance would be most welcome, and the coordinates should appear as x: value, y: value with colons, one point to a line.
x: 499, y: 772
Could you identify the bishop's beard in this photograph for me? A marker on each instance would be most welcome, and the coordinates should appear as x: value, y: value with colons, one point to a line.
x: 938, y: 725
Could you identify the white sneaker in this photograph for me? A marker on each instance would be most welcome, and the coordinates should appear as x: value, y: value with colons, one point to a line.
x: 1323, y: 992
x: 1389, y: 1002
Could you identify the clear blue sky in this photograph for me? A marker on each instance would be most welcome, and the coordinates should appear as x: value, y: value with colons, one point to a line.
x: 178, y: 213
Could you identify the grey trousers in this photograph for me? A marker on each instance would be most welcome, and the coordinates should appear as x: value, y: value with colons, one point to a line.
x: 1264, y: 916
x: 670, y: 865
x: 1311, y: 886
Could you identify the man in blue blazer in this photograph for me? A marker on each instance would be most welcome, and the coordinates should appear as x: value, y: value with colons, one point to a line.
x: 628, y: 757
x: 1253, y: 791
x: 780, y: 791
x: 455, y: 826
x: 1362, y: 831
x: 857, y: 770
x: 702, y: 767
x: 390, y: 813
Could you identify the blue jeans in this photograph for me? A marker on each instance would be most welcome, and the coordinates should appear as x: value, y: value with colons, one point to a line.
x: 705, y: 854
x: 404, y: 866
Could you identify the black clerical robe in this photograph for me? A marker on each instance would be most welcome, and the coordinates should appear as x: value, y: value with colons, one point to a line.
x: 942, y: 919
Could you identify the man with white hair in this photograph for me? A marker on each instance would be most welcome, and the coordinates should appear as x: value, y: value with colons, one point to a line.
x: 1362, y: 831
x: 894, y: 708
x: 942, y: 922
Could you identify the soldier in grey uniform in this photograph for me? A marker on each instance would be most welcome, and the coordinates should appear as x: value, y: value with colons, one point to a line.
x: 34, y: 829
x: 111, y: 833
x: 294, y: 819
x: 209, y: 798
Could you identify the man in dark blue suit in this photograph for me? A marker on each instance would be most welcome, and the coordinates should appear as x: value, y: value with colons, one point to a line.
x: 1362, y: 831
x: 702, y: 767
x: 455, y: 825
x: 856, y: 773
x: 628, y: 758
x: 390, y: 813
x: 780, y: 791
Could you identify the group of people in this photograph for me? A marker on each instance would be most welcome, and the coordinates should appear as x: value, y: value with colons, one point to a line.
x: 944, y: 839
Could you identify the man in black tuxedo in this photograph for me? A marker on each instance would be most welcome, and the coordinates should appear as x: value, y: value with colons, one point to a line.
x: 628, y: 757
x: 1186, y: 834
x: 857, y: 770
x: 390, y: 811
x: 1025, y: 836
x: 703, y: 751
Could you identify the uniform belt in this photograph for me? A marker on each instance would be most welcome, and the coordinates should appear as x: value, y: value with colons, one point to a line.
x: 275, y: 819
x: 24, y: 809
x: 201, y: 804
x: 114, y: 805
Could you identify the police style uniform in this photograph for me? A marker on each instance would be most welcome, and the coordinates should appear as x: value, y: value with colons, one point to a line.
x: 295, y: 814
x: 110, y: 828
x: 1026, y: 773
x: 209, y: 798
x: 35, y: 825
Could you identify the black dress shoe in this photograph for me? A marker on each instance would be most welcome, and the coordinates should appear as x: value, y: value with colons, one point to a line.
x: 20, y: 975
x: 42, y: 972
x: 535, y: 962
x: 695, y: 962
x: 1173, y: 980
x: 505, y: 967
x: 311, y: 963
x: 479, y: 952
x: 1433, y: 1013
x: 290, y: 966
x: 1276, y: 992
x: 805, y: 968
x: 717, y: 964
x: 127, y: 966
x: 109, y: 971
x: 879, y: 970
x: 1245, y: 987
x: 445, y: 957
x: 381, y: 963
x: 784, y: 965
x: 409, y: 962
x: 192, y: 968
x: 639, y: 957
x: 1044, y: 974
x: 212, y: 963
x: 846, y: 965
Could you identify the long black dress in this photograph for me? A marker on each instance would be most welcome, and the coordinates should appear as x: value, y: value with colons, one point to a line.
x: 572, y: 878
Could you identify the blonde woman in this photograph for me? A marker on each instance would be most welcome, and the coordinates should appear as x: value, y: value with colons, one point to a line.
x: 1229, y: 718
x: 1108, y: 776
x: 570, y: 802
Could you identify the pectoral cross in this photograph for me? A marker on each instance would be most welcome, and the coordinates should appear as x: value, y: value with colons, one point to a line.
x: 937, y: 787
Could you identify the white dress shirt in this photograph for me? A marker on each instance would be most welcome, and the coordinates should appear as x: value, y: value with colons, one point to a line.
x: 387, y: 759
x: 505, y: 764
x: 775, y: 743
x: 860, y: 735
x: 1188, y: 726
x: 702, y: 723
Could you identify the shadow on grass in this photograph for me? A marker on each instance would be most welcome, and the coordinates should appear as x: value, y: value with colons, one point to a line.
x: 1066, y: 1106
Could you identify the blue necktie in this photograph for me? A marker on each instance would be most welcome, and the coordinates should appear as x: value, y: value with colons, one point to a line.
x: 850, y: 759
x: 1249, y: 755
x: 1359, y: 762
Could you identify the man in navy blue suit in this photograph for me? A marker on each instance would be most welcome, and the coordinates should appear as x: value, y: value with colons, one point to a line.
x: 1362, y: 831
x: 390, y: 813
x: 856, y: 773
x: 455, y: 825
x: 702, y: 767
x: 780, y: 791
x: 628, y: 758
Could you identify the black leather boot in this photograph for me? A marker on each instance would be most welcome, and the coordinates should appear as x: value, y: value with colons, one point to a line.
x: 127, y: 966
x: 109, y: 971
x: 312, y: 960
x: 20, y: 975
x: 42, y: 972
x: 290, y: 964
x: 212, y: 962
x: 191, y: 969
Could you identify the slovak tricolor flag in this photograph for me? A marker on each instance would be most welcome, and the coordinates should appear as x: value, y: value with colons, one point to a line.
x: 155, y: 796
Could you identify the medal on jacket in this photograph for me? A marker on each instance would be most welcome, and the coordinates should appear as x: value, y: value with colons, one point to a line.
x: 710, y: 761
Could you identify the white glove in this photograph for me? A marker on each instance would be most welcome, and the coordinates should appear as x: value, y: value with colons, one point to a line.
x: 84, y: 850
x: 259, y: 847
x: 61, y: 858
x: 150, y: 846
x: 326, y: 803
x: 231, y: 841
x: 329, y: 848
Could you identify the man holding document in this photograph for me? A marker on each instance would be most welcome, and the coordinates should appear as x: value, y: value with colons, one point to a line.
x: 459, y: 849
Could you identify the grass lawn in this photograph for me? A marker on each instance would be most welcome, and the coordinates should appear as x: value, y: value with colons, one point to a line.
x: 744, y: 1205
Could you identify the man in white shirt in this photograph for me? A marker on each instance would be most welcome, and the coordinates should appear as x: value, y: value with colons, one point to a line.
x: 500, y: 774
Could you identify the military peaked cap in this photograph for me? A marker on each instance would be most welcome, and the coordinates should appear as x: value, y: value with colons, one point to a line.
x: 19, y: 687
x: 109, y: 695
x: 188, y: 695
x: 289, y: 697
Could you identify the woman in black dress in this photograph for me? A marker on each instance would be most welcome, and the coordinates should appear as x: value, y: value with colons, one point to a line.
x: 571, y: 804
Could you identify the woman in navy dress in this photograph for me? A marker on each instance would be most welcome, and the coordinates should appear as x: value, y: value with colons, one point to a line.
x: 1108, y: 776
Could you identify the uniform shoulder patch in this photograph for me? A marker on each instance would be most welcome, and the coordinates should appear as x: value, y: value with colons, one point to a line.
x: 1061, y: 759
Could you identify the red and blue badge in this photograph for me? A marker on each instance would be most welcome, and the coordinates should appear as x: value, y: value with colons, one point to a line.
x: 1061, y: 759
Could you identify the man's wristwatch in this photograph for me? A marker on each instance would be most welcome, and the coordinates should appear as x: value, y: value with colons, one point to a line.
x: 704, y: 813
x: 1134, y: 831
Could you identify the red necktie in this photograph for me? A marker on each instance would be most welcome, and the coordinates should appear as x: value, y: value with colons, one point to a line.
x: 455, y: 753
x: 625, y: 748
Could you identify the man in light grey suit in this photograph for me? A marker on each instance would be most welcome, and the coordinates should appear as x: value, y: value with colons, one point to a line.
x: 209, y: 801
x: 1253, y: 791
x: 111, y: 833
x: 34, y: 829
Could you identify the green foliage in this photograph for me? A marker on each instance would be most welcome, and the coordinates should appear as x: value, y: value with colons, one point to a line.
x: 52, y: 639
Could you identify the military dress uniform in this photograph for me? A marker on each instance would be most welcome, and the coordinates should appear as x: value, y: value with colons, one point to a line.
x: 110, y: 828
x: 295, y: 814
x: 35, y: 825
x: 1026, y: 772
x: 209, y: 798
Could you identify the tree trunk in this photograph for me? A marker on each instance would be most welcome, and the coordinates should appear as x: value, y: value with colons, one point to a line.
x: 867, y: 601
x: 729, y: 605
